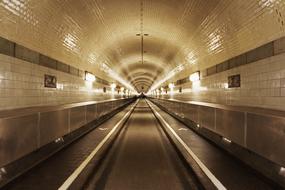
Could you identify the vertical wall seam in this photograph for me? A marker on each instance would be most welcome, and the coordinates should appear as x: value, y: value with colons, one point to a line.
x: 245, y: 129
x: 38, y: 131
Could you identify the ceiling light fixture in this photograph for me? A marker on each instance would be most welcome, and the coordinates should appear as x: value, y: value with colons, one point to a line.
x: 195, y: 76
x: 227, y: 140
x: 171, y: 86
x: 113, y: 86
x: 282, y: 171
x: 89, y: 77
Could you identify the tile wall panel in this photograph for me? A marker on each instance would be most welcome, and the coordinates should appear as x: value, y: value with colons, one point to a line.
x: 22, y: 85
x: 262, y: 85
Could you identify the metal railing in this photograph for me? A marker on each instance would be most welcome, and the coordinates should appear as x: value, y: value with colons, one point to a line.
x: 24, y: 130
x: 259, y: 130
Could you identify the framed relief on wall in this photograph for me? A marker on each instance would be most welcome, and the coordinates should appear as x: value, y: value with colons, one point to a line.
x: 234, y: 81
x: 50, y: 81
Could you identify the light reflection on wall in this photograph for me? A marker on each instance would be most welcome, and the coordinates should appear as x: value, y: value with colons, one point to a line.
x: 215, y: 42
x: 191, y: 58
x: 92, y: 58
x: 226, y: 85
x: 166, y: 77
x: 70, y: 42
x: 173, y: 92
x: 115, y: 76
x: 268, y: 3
x: 21, y: 9
x: 59, y: 86
x: 1, y: 78
x: 88, y: 87
x: 196, y: 87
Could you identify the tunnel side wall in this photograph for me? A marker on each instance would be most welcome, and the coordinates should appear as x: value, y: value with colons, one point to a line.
x: 262, y: 80
x: 22, y: 83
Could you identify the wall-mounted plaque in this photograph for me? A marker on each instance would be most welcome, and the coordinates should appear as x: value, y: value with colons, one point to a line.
x: 234, y: 81
x: 50, y: 81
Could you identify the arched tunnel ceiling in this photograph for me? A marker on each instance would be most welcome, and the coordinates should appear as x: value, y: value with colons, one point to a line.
x: 90, y: 33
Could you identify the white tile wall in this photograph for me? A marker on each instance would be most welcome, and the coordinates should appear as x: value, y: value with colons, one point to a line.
x: 22, y: 85
x: 262, y: 85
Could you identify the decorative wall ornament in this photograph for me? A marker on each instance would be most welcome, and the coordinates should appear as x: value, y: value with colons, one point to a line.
x: 50, y: 81
x: 234, y: 81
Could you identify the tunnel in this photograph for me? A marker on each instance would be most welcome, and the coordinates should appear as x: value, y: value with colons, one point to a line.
x: 142, y: 94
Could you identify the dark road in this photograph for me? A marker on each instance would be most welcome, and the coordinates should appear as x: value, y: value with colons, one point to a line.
x: 143, y: 158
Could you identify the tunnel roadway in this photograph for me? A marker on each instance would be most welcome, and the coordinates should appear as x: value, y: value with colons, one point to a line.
x: 143, y: 158
x: 139, y: 155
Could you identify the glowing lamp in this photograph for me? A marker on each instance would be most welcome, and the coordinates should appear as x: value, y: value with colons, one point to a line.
x: 89, y: 77
x: 194, y: 77
x: 113, y: 86
x: 171, y: 85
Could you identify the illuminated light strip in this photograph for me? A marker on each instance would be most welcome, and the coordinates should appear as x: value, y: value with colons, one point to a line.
x: 122, y: 81
x: 168, y: 76
x: 115, y: 76
x: 209, y: 174
x: 81, y: 167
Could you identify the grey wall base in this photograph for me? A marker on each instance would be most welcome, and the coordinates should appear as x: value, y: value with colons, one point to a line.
x: 263, y: 167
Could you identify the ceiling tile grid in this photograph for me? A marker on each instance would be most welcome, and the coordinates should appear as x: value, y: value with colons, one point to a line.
x: 93, y: 34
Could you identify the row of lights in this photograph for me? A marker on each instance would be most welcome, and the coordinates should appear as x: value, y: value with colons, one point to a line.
x: 113, y: 87
x: 91, y: 78
x: 194, y: 77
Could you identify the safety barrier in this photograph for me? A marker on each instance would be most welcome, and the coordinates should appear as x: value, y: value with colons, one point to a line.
x: 23, y: 131
x: 259, y: 130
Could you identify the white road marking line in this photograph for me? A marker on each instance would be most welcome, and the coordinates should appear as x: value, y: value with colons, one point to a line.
x: 76, y: 173
x: 182, y: 129
x: 211, y: 176
x: 103, y: 129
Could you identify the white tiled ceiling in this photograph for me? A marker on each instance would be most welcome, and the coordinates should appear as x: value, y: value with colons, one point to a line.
x: 192, y: 33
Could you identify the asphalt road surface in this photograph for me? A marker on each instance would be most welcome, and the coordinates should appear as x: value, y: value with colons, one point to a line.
x: 142, y: 158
